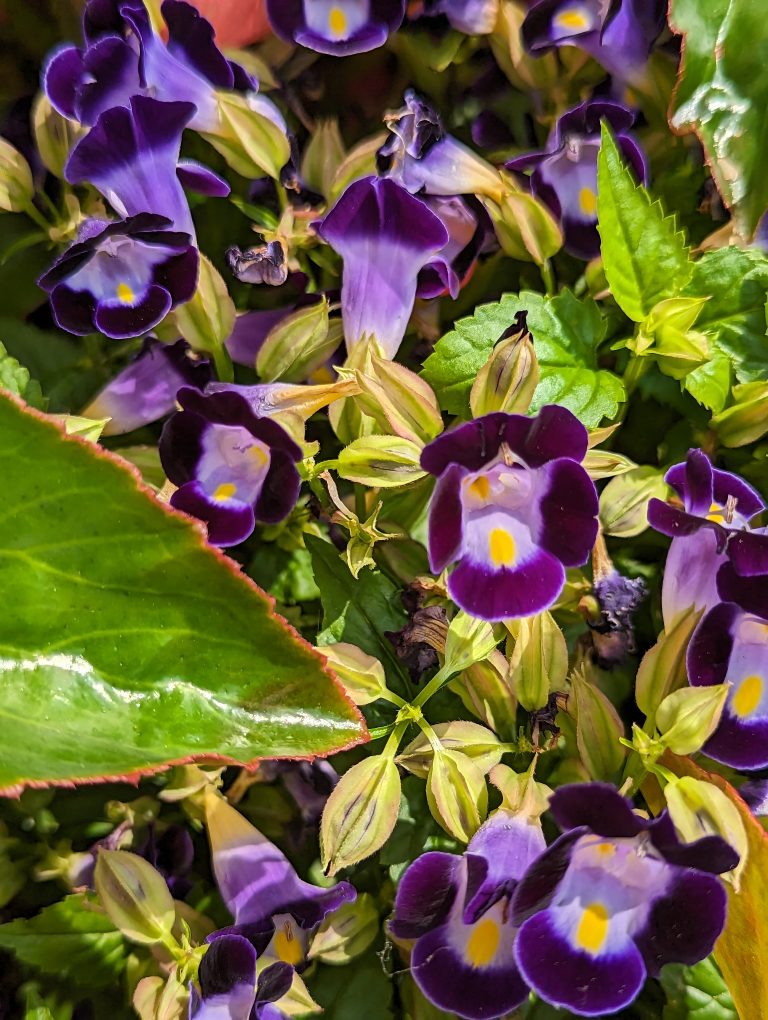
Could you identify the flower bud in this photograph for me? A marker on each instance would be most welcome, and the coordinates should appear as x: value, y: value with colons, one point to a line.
x: 484, y: 689
x: 347, y: 932
x: 526, y: 229
x: 251, y: 141
x: 468, y: 641
x: 381, y: 462
x: 507, y: 380
x: 323, y: 156
x: 135, y: 896
x: 55, y: 135
x: 456, y: 794
x: 159, y: 999
x: 207, y: 319
x: 399, y: 401
x: 701, y: 809
x: 298, y: 344
x: 662, y: 669
x: 747, y: 419
x: 361, y: 674
x: 687, y: 718
x: 538, y: 663
x: 598, y: 728
x: 520, y: 792
x: 539, y: 73
x: 360, y: 813
x: 478, y: 743
x: 606, y: 464
x: 16, y: 184
x: 667, y: 337
x: 359, y: 162
x: 624, y: 501
x: 87, y: 428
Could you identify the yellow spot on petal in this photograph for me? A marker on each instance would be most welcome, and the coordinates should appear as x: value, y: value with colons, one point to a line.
x: 572, y: 19
x: 224, y: 491
x: 483, y: 943
x: 747, y: 697
x: 481, y: 487
x: 125, y: 294
x: 588, y: 201
x: 337, y: 22
x: 257, y: 455
x: 287, y: 947
x: 715, y: 514
x: 593, y: 928
x: 606, y: 849
x: 502, y: 548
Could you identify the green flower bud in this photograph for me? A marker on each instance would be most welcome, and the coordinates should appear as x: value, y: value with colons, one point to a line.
x: 662, y: 669
x: 16, y: 185
x: 381, y: 462
x: 398, y: 401
x: 520, y: 793
x: 249, y: 141
x: 478, y: 743
x: 606, y: 464
x: 687, y: 718
x: 360, y: 813
x: 456, y: 794
x: 361, y: 674
x: 323, y: 156
x: 298, y: 344
x: 207, y: 319
x: 507, y: 380
x: 55, y: 135
x: 598, y: 728
x: 468, y: 641
x: 526, y: 229
x: 87, y: 428
x: 747, y: 419
x: 624, y: 501
x: 538, y: 662
x: 359, y: 162
x: 135, y: 896
x: 702, y: 809
x: 347, y: 932
x: 539, y: 73
x: 484, y: 689
x: 158, y: 999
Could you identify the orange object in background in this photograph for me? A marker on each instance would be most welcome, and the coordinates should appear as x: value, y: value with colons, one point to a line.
x: 237, y: 22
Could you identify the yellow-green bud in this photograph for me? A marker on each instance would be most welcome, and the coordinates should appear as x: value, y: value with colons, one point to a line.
x: 538, y: 661
x: 526, y: 229
x: 399, y: 401
x: 701, y: 809
x: 359, y: 162
x: 520, y: 793
x: 135, y: 896
x: 456, y: 794
x: 468, y: 641
x: 624, y: 501
x: 381, y: 462
x: 156, y: 998
x: 16, y: 184
x: 478, y: 743
x: 687, y: 718
x: 662, y: 669
x: 323, y: 156
x: 606, y: 464
x: 298, y: 344
x: 747, y: 419
x: 251, y: 143
x: 361, y: 674
x: 598, y: 728
x: 485, y: 691
x: 207, y: 319
x: 347, y: 932
x: 55, y: 135
x: 87, y: 428
x: 507, y: 380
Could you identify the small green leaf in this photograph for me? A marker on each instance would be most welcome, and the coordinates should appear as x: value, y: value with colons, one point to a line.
x: 71, y: 939
x: 16, y: 379
x: 696, y: 993
x: 710, y: 383
x: 644, y: 255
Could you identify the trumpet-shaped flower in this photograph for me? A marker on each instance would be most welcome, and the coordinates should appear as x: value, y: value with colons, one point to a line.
x: 228, y: 986
x: 337, y: 27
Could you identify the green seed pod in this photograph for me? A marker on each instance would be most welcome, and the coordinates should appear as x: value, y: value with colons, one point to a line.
x: 135, y: 896
x: 347, y: 932
x: 478, y: 743
x: 457, y: 794
x: 298, y: 344
x: 598, y: 728
x: 624, y: 501
x: 16, y: 184
x: 381, y: 462
x: 468, y: 641
x: 538, y: 662
x: 207, y: 319
x: 687, y: 718
x: 251, y: 143
x: 362, y: 674
x: 701, y: 809
x: 507, y: 380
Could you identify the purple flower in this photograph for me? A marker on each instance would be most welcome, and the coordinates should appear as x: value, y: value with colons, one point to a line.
x: 457, y: 910
x: 512, y: 508
x: 474, y: 17
x: 717, y: 506
x: 470, y: 233
x: 338, y: 27
x: 730, y: 645
x: 228, y: 986
x: 125, y: 57
x: 619, y: 34
x: 614, y: 899
x: 121, y: 278
x: 233, y: 468
x: 385, y: 237
x: 145, y: 390
x: 564, y: 174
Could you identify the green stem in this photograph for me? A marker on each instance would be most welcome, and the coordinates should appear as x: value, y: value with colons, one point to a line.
x: 37, y: 217
x: 434, y: 685
x: 391, y: 746
x: 548, y: 278
x: 360, y: 508
x: 223, y: 364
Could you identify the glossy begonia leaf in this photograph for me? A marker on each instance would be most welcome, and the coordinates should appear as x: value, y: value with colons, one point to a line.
x: 566, y: 332
x: 722, y: 93
x: 128, y: 643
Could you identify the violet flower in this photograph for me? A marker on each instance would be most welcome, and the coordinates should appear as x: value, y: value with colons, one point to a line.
x: 614, y: 899
x: 473, y: 17
x: 228, y: 985
x: 233, y: 468
x: 145, y: 390
x: 470, y: 233
x: 512, y: 508
x: 619, y: 34
x: 121, y: 278
x: 717, y: 507
x: 385, y: 237
x: 457, y: 910
x: 564, y: 174
x: 338, y: 27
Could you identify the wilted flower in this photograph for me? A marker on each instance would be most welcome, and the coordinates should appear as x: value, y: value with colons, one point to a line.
x: 233, y: 468
x: 614, y: 899
x: 228, y: 985
x: 338, y: 27
x: 512, y: 508
x: 457, y: 911
x: 385, y: 237
x: 613, y: 634
x: 121, y: 278
x: 265, y: 264
x: 717, y: 507
x: 564, y: 174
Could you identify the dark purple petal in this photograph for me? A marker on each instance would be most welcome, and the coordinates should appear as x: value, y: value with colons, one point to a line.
x: 568, y: 513
x: 425, y: 894
x: 274, y: 982
x: 710, y: 853
x: 599, y: 806
x: 73, y: 311
x: 508, y: 845
x: 280, y: 491
x: 671, y: 520
x: 751, y: 593
x: 505, y: 593
x: 289, y: 20
x: 748, y: 501
x: 191, y: 39
x: 710, y: 647
x: 201, y: 179
x: 110, y: 78
x: 228, y: 523
x: 179, y: 275
x: 445, y: 518
x: 554, y: 432
x: 228, y: 407
x: 62, y: 73
x: 180, y: 446
x: 121, y: 321
x: 472, y: 444
x: 227, y: 979
x: 748, y: 552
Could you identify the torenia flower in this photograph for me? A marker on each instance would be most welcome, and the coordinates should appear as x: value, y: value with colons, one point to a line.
x: 619, y: 34
x: 470, y: 233
x: 717, y: 507
x: 228, y: 985
x: 457, y: 910
x: 385, y: 236
x: 513, y: 507
x: 730, y: 645
x: 121, y: 278
x: 232, y: 467
x: 474, y: 17
x: 614, y: 899
x: 564, y: 174
x: 337, y: 27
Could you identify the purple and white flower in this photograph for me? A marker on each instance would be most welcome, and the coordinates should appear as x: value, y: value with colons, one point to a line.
x: 564, y: 174
x: 228, y: 986
x: 512, y: 508
x: 338, y: 27
x: 470, y: 233
x: 232, y: 467
x: 473, y: 17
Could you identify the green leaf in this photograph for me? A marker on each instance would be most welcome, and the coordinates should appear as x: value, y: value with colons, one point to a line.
x: 644, y: 255
x: 736, y: 282
x: 129, y: 643
x: 566, y: 334
x: 72, y: 940
x: 710, y: 383
x: 696, y: 993
x: 722, y: 94
x: 16, y: 379
x: 361, y: 988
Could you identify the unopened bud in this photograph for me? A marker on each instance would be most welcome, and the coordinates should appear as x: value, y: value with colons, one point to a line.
x: 347, y: 932
x: 520, y: 793
x: 359, y: 162
x: 606, y: 464
x: 687, y: 718
x: 526, y: 229
x: 702, y: 809
x: 456, y: 794
x: 323, y: 156
x: 251, y: 141
x: 207, y: 319
x: 478, y: 743
x: 485, y: 691
x: 135, y: 896
x: 156, y: 998
x: 538, y: 662
x: 624, y: 501
x: 747, y: 420
x: 360, y: 813
x: 361, y: 674
x: 398, y: 400
x: 662, y: 669
x: 86, y: 428
x: 599, y: 728
x: 381, y: 462
x: 507, y: 380
x: 298, y: 344
x: 468, y: 641
x: 16, y: 184
x: 55, y: 135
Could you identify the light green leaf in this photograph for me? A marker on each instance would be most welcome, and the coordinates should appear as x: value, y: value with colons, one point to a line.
x: 696, y: 993
x: 644, y: 255
x: 722, y: 93
x: 16, y: 379
x: 710, y: 383
x: 129, y: 643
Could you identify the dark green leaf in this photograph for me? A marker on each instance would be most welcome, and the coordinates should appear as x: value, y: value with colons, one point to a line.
x: 644, y: 255
x: 361, y: 988
x: 696, y: 993
x: 129, y: 643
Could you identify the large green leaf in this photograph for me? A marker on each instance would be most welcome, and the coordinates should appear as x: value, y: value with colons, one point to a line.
x: 722, y: 95
x: 566, y: 333
x: 127, y: 643
x: 644, y: 255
